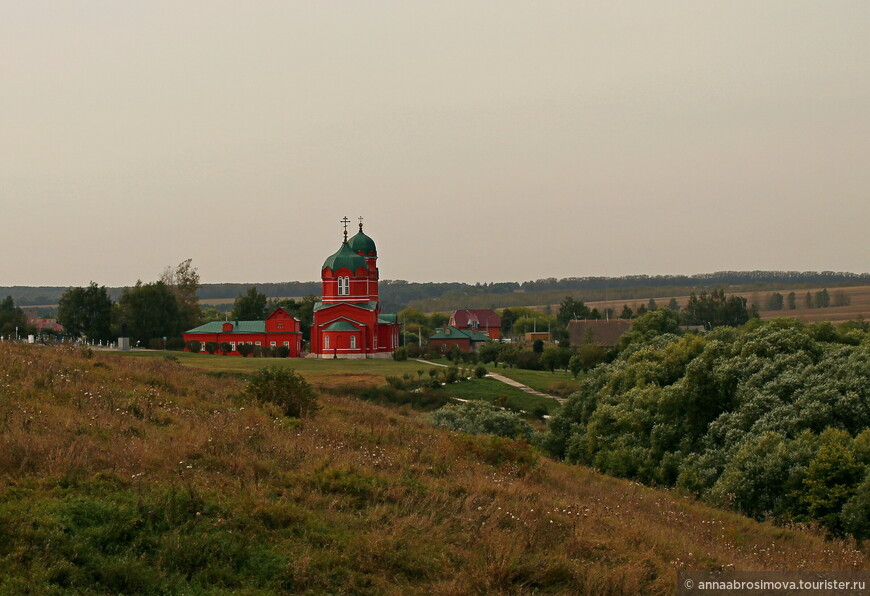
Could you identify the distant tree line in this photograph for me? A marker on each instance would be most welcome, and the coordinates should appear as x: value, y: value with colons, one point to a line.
x: 819, y: 299
x: 396, y: 294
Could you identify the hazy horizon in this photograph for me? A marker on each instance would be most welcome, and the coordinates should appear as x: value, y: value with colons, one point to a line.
x: 486, y: 141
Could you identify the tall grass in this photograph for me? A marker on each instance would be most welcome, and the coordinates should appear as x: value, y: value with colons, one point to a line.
x: 122, y: 475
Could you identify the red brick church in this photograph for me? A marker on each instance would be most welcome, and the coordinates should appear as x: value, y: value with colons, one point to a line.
x: 348, y: 322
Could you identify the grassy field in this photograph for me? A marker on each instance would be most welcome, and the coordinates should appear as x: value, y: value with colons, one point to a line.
x: 495, y: 391
x: 558, y: 383
x: 328, y: 373
x: 137, y: 475
x: 324, y: 373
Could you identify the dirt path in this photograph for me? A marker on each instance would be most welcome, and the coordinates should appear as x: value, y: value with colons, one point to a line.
x: 506, y: 381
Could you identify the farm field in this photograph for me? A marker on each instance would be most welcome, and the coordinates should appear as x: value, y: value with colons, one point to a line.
x: 859, y: 307
x: 136, y: 475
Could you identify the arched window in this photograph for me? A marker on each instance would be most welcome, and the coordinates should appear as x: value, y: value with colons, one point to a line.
x: 353, y: 342
x: 326, y: 342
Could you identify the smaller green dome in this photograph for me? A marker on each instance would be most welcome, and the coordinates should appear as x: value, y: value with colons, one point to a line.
x: 345, y: 257
x: 361, y: 243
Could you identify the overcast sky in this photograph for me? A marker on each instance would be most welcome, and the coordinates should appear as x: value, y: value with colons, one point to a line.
x: 481, y: 141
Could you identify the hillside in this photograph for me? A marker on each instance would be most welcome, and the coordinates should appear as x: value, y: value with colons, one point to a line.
x: 140, y: 475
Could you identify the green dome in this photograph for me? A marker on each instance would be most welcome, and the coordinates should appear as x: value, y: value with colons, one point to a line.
x: 361, y: 243
x: 345, y: 257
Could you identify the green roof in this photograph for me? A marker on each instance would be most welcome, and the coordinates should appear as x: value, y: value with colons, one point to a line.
x: 368, y: 305
x: 345, y: 257
x: 238, y: 327
x: 382, y: 318
x: 454, y: 333
x: 361, y: 243
x: 341, y: 326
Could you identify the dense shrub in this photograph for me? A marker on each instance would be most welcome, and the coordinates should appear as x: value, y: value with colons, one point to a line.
x: 175, y: 343
x: 283, y: 351
x: 194, y: 345
x: 226, y: 348
x: 286, y: 389
x: 211, y: 347
x: 770, y: 418
x: 480, y: 371
x: 400, y: 354
x: 478, y: 417
x: 245, y: 349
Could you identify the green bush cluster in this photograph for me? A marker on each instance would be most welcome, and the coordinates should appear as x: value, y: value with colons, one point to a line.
x: 285, y: 388
x: 771, y: 418
x: 478, y: 417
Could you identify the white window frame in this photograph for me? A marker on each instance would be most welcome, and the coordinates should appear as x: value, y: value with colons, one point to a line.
x: 273, y: 344
x: 353, y: 342
x: 325, y: 342
x: 232, y: 346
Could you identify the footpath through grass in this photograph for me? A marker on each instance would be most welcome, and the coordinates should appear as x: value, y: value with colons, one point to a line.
x: 137, y: 475
x: 555, y: 383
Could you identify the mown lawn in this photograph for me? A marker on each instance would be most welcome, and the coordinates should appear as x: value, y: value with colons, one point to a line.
x: 326, y: 372
x: 556, y: 383
x: 491, y: 390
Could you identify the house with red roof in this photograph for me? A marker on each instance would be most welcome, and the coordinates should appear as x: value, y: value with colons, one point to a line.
x: 482, y: 320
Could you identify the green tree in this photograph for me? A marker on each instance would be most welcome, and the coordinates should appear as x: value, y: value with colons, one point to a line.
x: 775, y: 301
x: 570, y: 309
x: 651, y: 306
x: 808, y: 301
x: 150, y: 311
x: 626, y: 313
x: 832, y: 478
x: 823, y: 299
x: 650, y: 325
x: 716, y: 309
x: 841, y: 298
x: 674, y: 305
x: 508, y: 317
x: 250, y: 306
x: 12, y: 318
x: 184, y: 283
x: 791, y: 301
x: 86, y: 312
x: 489, y: 352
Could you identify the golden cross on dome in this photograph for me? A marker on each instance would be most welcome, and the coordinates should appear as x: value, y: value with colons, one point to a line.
x: 360, y: 222
x: 345, y: 221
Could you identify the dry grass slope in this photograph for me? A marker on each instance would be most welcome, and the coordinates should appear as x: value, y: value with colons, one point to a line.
x: 138, y: 475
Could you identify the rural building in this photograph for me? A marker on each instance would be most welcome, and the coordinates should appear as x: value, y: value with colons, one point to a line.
x: 348, y: 322
x: 484, y: 320
x: 467, y: 340
x: 279, y: 329
x: 531, y: 336
x: 597, y: 331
